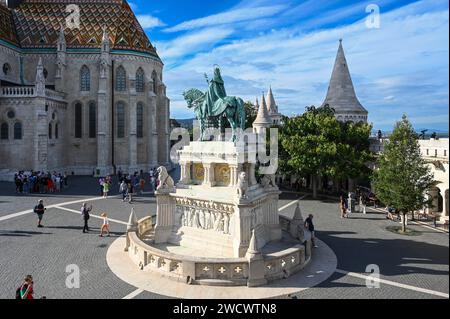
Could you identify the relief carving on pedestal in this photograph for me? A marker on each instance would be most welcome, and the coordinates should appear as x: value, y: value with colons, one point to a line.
x: 203, y: 215
x: 222, y: 174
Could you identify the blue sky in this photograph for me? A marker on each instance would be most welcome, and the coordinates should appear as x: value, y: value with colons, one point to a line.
x: 401, y: 67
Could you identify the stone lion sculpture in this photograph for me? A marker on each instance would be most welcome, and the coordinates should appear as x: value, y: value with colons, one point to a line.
x: 165, y: 181
x: 242, y: 185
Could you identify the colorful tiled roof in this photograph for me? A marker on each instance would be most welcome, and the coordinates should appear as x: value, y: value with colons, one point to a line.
x: 7, y: 29
x: 37, y: 23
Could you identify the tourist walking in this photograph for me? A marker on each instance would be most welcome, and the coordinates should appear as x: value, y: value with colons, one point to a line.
x: 123, y: 189
x: 105, y: 189
x: 309, y: 225
x: 142, y: 184
x: 25, y: 291
x: 85, y: 214
x: 39, y: 209
x: 343, y: 207
x: 105, y: 225
x: 130, y: 192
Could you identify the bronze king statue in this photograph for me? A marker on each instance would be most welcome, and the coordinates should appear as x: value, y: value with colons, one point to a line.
x: 214, y: 105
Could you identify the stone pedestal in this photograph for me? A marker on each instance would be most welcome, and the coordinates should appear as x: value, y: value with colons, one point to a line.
x: 165, y: 214
x: 206, y: 210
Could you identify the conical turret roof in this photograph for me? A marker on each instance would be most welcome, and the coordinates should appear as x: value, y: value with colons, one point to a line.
x: 271, y: 104
x: 341, y: 92
x: 263, y: 117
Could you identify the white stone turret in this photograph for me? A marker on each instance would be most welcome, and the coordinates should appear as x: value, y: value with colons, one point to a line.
x: 272, y: 107
x: 262, y: 121
x: 341, y: 94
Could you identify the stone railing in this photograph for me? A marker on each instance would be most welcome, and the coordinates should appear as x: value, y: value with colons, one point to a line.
x: 283, y: 264
x: 18, y: 91
x: 145, y: 225
x: 212, y: 271
x: 30, y: 91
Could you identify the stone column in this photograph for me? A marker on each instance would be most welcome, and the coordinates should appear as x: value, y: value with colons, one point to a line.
x: 233, y: 175
x: 41, y: 138
x: 132, y: 137
x: 242, y: 230
x: 209, y: 175
x: 185, y: 173
x: 153, y: 131
x: 103, y: 124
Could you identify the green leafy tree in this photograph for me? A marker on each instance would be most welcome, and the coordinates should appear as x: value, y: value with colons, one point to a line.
x: 250, y: 112
x: 354, y: 151
x: 310, y: 144
x: 403, y: 177
x: 317, y: 144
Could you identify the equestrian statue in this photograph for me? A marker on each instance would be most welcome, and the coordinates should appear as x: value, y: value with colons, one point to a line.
x: 214, y: 105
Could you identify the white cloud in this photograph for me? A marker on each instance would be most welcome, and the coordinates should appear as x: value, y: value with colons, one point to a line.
x: 148, y: 21
x: 407, y: 59
x: 232, y: 16
x: 192, y: 42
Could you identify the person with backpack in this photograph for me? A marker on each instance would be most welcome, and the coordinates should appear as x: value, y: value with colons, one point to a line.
x: 25, y: 291
x: 39, y: 209
x: 86, y: 216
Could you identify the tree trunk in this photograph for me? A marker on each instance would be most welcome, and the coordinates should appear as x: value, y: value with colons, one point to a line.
x: 314, y: 186
x: 405, y: 216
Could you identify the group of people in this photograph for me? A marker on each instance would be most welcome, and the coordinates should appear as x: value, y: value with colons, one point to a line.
x: 40, y: 209
x: 40, y: 182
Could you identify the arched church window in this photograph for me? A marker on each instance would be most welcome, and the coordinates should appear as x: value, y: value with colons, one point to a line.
x: 45, y: 73
x: 140, y: 78
x: 56, y: 131
x: 50, y: 131
x: 85, y: 79
x: 120, y: 120
x: 78, y: 120
x: 18, y: 131
x: 140, y: 120
x: 155, y: 82
x: 121, y: 79
x: 4, y: 131
x: 92, y: 120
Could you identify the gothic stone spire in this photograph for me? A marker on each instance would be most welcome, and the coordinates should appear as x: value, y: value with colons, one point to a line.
x: 341, y: 92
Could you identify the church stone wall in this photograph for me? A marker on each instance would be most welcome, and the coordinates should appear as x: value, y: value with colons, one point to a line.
x: 80, y: 156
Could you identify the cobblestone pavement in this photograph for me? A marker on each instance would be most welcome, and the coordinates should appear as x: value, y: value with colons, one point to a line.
x: 420, y: 262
